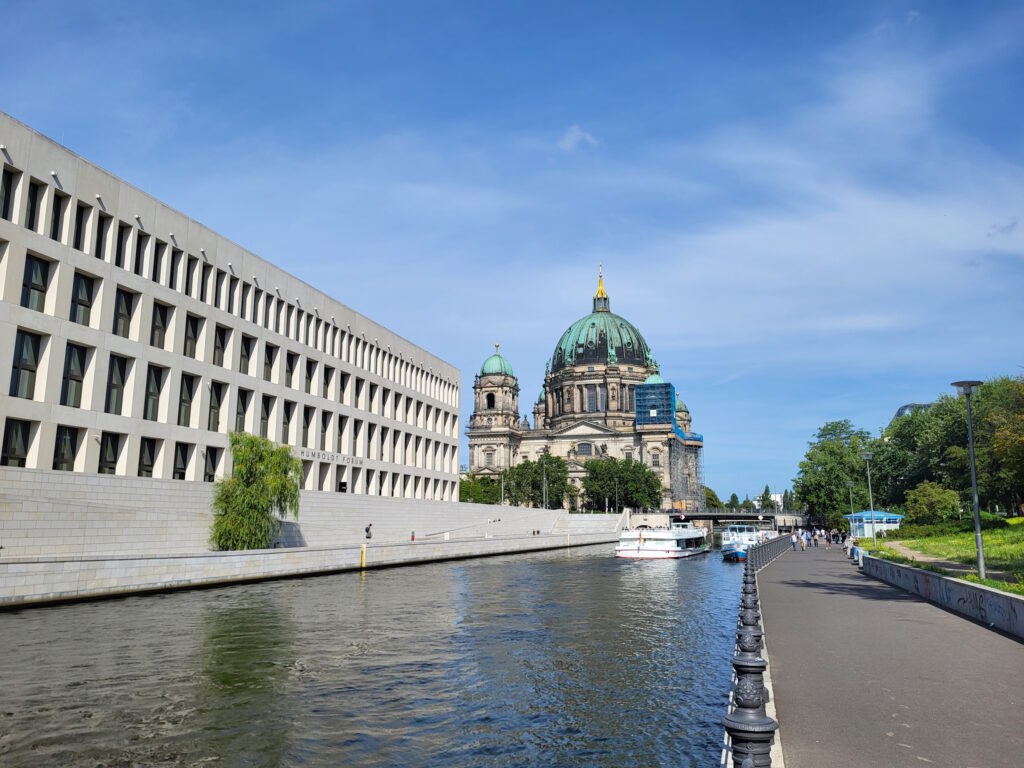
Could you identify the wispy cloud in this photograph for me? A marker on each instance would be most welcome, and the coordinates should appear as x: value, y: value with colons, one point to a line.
x: 573, y: 137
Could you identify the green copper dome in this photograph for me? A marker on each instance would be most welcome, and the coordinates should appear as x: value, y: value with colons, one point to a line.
x: 496, y: 365
x: 603, y: 338
x: 654, y: 378
x: 681, y: 406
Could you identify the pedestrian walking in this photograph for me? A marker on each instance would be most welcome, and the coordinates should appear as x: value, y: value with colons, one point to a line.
x: 793, y: 539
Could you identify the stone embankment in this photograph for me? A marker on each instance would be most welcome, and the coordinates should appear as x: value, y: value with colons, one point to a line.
x: 66, y: 537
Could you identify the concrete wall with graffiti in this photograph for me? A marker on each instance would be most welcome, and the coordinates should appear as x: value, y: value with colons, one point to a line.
x: 996, y: 609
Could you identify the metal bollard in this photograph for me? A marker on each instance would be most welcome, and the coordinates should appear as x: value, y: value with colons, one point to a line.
x: 750, y: 730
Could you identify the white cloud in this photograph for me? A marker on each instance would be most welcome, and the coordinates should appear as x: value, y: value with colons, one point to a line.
x: 573, y: 137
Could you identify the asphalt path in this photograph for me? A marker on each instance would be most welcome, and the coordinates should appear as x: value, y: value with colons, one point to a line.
x: 865, y: 674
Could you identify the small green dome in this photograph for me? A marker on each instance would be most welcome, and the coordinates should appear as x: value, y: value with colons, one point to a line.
x: 681, y: 407
x: 540, y: 398
x: 654, y: 378
x: 496, y: 365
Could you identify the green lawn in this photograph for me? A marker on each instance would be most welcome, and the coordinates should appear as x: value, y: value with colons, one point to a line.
x: 1004, y: 549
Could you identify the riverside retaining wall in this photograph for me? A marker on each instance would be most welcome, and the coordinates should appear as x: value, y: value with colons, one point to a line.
x: 997, y: 609
x: 70, y: 536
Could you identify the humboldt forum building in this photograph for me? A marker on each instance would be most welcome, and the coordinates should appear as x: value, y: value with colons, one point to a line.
x: 133, y: 340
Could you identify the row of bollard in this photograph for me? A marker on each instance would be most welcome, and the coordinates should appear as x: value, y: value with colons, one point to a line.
x: 751, y: 731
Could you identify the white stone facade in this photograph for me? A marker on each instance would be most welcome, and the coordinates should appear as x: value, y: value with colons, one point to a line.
x: 134, y: 339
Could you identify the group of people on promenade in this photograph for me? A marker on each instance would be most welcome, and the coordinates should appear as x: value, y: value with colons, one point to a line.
x: 808, y: 538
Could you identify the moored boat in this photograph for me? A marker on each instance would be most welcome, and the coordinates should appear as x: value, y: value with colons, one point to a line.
x: 679, y: 539
x: 735, y: 540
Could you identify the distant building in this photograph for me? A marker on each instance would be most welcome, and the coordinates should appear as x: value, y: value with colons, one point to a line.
x: 602, y: 396
x: 903, y: 410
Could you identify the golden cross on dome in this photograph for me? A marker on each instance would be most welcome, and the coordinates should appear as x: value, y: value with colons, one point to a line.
x: 495, y: 347
x: 601, y: 294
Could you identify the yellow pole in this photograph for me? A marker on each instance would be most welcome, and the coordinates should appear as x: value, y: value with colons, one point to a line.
x: 362, y: 558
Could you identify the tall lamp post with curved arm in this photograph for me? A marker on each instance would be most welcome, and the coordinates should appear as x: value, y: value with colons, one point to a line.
x: 968, y: 388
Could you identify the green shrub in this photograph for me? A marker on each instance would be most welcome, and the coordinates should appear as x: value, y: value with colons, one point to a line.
x: 263, y: 488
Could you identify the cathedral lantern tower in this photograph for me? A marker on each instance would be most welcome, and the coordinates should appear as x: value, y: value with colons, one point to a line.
x: 494, y: 429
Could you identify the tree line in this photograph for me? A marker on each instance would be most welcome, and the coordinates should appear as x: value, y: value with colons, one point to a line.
x: 920, y: 464
x: 610, y: 483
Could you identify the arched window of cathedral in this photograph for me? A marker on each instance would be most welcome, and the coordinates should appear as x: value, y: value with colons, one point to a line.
x: 628, y: 456
x: 591, y: 398
x: 490, y: 401
x: 489, y: 458
x: 655, y: 459
x: 585, y: 449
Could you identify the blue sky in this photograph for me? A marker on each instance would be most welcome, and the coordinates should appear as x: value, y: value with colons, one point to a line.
x: 811, y: 212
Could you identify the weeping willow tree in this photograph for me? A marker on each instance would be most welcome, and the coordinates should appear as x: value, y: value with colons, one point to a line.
x: 263, y: 488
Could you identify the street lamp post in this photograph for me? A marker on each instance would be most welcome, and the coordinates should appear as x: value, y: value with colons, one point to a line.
x: 866, y: 455
x: 967, y: 388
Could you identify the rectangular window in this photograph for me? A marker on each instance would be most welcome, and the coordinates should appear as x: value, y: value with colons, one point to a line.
x: 286, y: 422
x: 241, y: 408
x: 34, y: 282
x: 35, y: 194
x: 74, y: 376
x: 64, y: 449
x: 204, y: 283
x: 15, y: 448
x: 158, y: 261
x: 26, y: 361
x: 141, y: 241
x: 265, y: 407
x: 243, y: 302
x: 210, y: 466
x: 216, y: 398
x: 181, y: 456
x: 256, y: 296
x: 175, y: 266
x: 6, y: 193
x: 190, y: 275
x: 220, y: 343
x: 328, y: 380
x: 268, y: 361
x: 124, y: 305
x: 292, y: 362
x: 307, y: 420
x: 102, y: 227
x: 188, y: 392
x: 147, y: 456
x: 81, y: 220
x: 310, y: 373
x: 193, y: 325
x: 245, y: 354
x: 325, y: 424
x: 232, y: 287
x: 81, y: 299
x: 655, y: 459
x: 155, y: 377
x: 123, y: 231
x: 110, y: 449
x: 161, y: 319
x: 117, y: 375
x: 57, y: 216
x: 218, y: 289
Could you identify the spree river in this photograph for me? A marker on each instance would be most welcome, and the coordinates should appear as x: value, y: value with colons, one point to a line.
x: 560, y: 658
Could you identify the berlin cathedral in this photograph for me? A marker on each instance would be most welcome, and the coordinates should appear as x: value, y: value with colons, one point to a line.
x: 602, y: 396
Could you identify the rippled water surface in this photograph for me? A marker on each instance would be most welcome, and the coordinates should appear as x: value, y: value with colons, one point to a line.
x: 573, y: 659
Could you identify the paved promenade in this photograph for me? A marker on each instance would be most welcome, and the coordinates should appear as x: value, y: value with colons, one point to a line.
x: 866, y: 675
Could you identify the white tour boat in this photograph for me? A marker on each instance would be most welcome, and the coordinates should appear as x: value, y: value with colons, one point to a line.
x: 678, y: 539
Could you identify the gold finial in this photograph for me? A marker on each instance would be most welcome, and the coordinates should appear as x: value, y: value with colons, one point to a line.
x: 601, y: 294
x: 495, y: 347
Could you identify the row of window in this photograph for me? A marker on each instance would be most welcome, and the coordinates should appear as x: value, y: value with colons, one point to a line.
x: 198, y: 279
x: 582, y: 449
x: 415, y: 448
x: 33, y: 296
x: 68, y: 440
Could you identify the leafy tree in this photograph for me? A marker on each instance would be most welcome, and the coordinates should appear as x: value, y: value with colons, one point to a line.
x: 524, y: 483
x: 624, y: 483
x: 263, y: 488
x: 480, y: 490
x: 832, y: 458
x: 931, y: 503
x: 734, y: 502
x: 787, y: 500
x: 711, y: 500
x: 747, y: 504
x: 767, y: 503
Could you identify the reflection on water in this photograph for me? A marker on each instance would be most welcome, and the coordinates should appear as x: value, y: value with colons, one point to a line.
x: 572, y: 659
